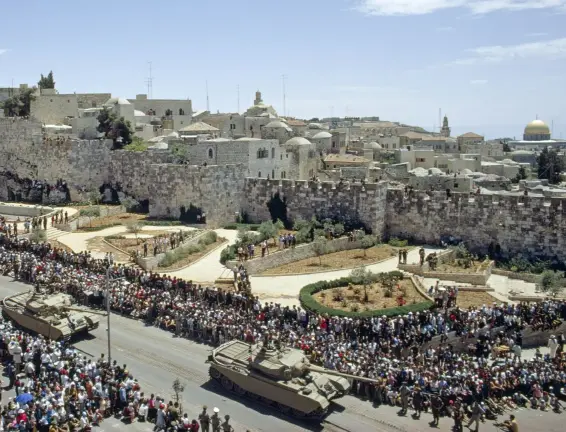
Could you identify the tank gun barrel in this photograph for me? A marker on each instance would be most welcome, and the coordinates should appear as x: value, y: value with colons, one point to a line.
x: 319, y: 369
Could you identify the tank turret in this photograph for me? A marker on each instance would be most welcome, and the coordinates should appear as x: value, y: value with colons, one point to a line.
x: 51, y: 315
x: 279, y: 377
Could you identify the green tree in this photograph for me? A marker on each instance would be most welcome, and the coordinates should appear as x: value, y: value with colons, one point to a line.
x: 506, y: 148
x: 19, y: 105
x: 134, y: 228
x: 268, y: 230
x: 38, y: 236
x: 115, y: 128
x: 550, y: 165
x: 521, y: 175
x: 551, y: 283
x: 46, y: 82
x: 362, y: 276
x: 367, y: 242
x: 90, y: 212
x: 320, y: 247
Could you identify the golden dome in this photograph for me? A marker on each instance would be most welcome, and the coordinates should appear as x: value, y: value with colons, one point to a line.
x: 537, y: 127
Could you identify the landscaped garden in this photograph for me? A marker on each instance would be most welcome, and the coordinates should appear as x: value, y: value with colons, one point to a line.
x: 185, y: 255
x: 311, y: 231
x: 364, y: 293
x: 336, y: 260
x: 466, y: 299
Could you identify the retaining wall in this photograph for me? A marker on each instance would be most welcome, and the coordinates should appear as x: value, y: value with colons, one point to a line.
x: 24, y: 210
x: 151, y: 262
x: 286, y: 256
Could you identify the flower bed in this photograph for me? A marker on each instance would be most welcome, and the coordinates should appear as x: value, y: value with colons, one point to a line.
x: 309, y: 302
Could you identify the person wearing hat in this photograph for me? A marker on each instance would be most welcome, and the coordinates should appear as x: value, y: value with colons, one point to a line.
x: 215, y: 420
x: 417, y: 402
x: 226, y: 427
x: 204, y: 419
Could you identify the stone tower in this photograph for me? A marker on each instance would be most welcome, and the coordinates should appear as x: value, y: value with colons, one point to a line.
x: 258, y: 99
x: 445, y: 131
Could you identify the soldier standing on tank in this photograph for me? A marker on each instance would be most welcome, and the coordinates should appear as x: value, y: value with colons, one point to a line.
x: 226, y: 427
x: 215, y: 420
x: 204, y: 420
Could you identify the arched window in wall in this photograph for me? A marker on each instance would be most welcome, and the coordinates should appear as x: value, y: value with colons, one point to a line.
x: 210, y: 153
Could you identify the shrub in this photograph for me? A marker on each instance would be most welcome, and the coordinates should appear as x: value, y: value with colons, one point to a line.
x: 310, y: 304
x: 179, y: 254
x: 355, y: 307
x: 208, y: 238
x: 395, y: 242
x: 115, y: 237
x: 38, y: 236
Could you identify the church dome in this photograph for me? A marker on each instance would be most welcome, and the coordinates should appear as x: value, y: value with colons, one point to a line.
x: 372, y: 146
x: 297, y: 141
x: 537, y: 127
x: 321, y: 135
x: 276, y: 124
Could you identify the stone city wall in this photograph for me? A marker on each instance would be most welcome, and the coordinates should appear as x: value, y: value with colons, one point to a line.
x: 215, y: 190
x: 278, y: 258
x: 529, y: 226
x: 132, y: 170
x: 347, y: 202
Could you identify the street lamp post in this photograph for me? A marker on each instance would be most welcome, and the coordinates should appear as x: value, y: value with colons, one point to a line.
x: 108, y: 281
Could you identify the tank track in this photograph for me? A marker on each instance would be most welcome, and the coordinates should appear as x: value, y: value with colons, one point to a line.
x: 233, y: 388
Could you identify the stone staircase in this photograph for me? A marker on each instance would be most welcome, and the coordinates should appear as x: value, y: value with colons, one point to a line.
x: 54, y: 233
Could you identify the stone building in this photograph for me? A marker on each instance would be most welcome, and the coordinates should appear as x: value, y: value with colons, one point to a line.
x: 469, y: 138
x: 179, y: 111
x: 264, y: 158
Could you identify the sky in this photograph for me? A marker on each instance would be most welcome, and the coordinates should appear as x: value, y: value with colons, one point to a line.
x: 490, y: 65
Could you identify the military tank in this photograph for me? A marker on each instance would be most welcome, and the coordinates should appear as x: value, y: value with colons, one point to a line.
x: 51, y: 315
x: 282, y: 378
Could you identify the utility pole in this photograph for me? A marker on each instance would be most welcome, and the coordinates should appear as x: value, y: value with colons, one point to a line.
x: 207, y: 100
x: 108, y: 282
x: 284, y: 79
x: 238, y: 98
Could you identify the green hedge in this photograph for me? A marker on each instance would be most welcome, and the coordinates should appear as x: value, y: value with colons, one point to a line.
x: 235, y: 226
x: 309, y: 303
x: 183, y: 252
x: 141, y: 222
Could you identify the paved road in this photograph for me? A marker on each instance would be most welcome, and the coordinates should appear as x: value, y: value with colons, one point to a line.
x: 156, y: 358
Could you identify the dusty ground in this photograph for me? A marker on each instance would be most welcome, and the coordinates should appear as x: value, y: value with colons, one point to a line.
x: 59, y: 245
x: 107, y: 221
x: 470, y: 298
x: 336, y: 261
x: 376, y: 294
x: 97, y: 244
x: 131, y: 244
x: 477, y: 267
x: 193, y: 257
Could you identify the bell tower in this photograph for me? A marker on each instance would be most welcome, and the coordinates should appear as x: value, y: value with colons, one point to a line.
x: 445, y: 131
x: 258, y: 99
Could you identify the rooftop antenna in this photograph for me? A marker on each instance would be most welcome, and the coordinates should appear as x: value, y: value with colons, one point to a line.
x: 207, y: 100
x: 552, y: 128
x: 238, y: 98
x: 439, y: 118
x: 284, y: 79
x: 149, y: 82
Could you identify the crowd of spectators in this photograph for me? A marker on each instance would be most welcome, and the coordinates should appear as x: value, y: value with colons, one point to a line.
x: 415, y: 351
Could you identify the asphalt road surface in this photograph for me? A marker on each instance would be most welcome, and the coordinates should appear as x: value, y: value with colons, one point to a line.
x: 156, y: 358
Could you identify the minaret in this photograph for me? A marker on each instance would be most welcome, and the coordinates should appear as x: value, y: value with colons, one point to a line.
x: 257, y: 100
x: 445, y: 131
